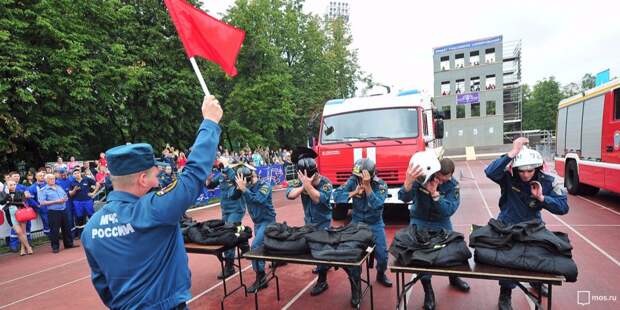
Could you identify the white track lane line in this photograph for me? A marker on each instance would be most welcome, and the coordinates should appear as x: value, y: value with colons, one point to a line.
x: 292, y: 301
x: 217, y: 285
x: 44, y: 292
x: 486, y: 205
x: 598, y: 205
x: 40, y: 271
x: 611, y: 258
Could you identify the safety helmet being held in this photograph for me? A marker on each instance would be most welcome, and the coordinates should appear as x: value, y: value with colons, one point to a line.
x: 428, y: 161
x: 364, y: 164
x: 527, y: 159
x: 305, y: 160
x: 308, y: 165
x: 246, y: 172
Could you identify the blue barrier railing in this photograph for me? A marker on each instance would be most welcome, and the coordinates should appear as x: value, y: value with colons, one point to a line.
x: 274, y: 174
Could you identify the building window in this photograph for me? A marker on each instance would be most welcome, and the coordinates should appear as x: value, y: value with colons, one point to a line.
x: 444, y: 63
x: 489, y: 55
x: 490, y: 82
x: 459, y: 61
x: 460, y: 111
x: 447, y: 112
x: 617, y: 103
x: 445, y: 88
x: 475, y: 109
x: 459, y: 86
x: 474, y: 58
x: 474, y: 83
x: 490, y: 107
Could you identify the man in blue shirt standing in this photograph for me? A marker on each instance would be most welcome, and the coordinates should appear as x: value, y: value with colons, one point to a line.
x: 34, y: 200
x: 83, y: 202
x: 54, y: 198
x: 65, y: 181
x: 141, y: 228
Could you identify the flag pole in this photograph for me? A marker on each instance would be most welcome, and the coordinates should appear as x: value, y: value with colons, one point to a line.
x: 199, y: 75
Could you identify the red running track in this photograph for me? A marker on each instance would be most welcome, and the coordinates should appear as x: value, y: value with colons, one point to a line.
x: 62, y: 281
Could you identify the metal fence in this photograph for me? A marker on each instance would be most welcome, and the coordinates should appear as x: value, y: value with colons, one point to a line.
x: 541, y: 140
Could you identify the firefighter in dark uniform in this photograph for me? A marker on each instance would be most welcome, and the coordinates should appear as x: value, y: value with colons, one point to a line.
x: 257, y: 196
x: 526, y: 191
x: 315, y: 191
x: 434, y: 194
x: 368, y: 193
x: 134, y: 245
x: 232, y: 206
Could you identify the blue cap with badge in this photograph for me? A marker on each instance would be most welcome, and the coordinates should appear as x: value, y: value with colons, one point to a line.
x: 128, y: 159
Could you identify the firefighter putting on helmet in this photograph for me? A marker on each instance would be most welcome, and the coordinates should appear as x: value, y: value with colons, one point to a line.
x: 526, y: 191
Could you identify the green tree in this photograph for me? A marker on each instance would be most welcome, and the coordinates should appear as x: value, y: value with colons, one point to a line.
x: 77, y: 77
x: 540, y: 107
x: 588, y: 81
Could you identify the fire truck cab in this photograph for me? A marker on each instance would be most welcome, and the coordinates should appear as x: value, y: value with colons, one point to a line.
x: 387, y: 129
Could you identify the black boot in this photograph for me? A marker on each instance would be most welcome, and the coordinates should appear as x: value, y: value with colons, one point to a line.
x: 459, y: 284
x: 259, y: 284
x: 383, y: 279
x: 543, y: 288
x: 321, y: 284
x: 356, y: 297
x: 229, y: 269
x: 504, y: 298
x: 429, y: 295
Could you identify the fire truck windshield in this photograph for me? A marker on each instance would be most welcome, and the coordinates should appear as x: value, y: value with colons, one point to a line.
x: 395, y: 123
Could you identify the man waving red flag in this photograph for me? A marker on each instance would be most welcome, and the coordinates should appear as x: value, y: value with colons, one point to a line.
x: 205, y: 36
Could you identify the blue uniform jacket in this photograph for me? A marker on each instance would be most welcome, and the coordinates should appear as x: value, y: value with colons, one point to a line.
x: 319, y: 214
x: 366, y: 209
x: 428, y: 213
x: 33, y: 201
x: 134, y: 245
x: 258, y: 200
x: 516, y: 203
x: 231, y: 200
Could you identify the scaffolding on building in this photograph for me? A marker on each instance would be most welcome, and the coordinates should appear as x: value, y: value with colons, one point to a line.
x: 512, y: 91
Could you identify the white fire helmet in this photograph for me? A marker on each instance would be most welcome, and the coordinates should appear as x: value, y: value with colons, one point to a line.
x: 527, y: 159
x: 428, y: 161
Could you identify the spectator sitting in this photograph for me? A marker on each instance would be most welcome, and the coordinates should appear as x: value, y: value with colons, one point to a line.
x: 14, y: 200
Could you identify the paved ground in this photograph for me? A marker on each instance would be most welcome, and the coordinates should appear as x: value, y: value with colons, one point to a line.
x: 62, y: 281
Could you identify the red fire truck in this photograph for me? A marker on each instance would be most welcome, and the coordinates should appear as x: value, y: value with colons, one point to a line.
x: 588, y: 140
x: 387, y: 129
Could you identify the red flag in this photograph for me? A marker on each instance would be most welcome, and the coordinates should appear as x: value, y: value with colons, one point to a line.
x: 205, y: 36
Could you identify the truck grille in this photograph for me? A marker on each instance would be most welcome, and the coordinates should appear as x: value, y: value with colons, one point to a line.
x: 385, y: 175
x: 342, y: 176
x: 388, y: 175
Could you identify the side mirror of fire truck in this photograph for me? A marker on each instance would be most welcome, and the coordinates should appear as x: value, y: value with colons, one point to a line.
x: 439, y: 130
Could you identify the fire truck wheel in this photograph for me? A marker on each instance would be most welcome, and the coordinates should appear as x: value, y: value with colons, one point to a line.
x: 572, y: 181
